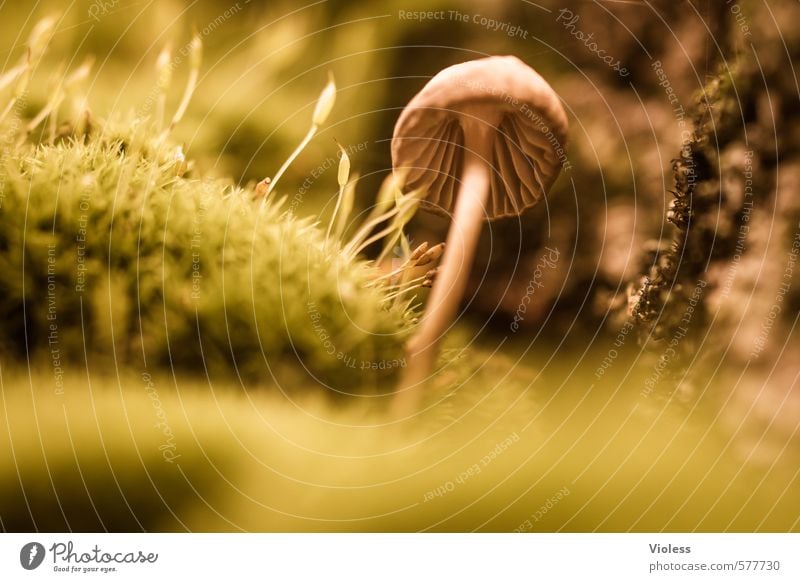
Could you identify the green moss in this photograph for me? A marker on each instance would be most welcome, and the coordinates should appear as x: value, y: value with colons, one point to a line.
x: 105, y: 245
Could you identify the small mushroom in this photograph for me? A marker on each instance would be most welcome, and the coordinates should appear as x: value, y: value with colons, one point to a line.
x: 483, y: 139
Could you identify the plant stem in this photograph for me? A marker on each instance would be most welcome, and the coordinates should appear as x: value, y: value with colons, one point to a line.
x: 191, y: 85
x: 375, y: 237
x: 373, y: 220
x: 335, y: 212
x: 292, y: 157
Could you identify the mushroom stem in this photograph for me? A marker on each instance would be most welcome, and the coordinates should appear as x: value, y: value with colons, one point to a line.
x: 462, y: 239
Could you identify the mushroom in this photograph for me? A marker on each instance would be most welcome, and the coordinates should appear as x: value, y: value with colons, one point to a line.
x: 483, y: 139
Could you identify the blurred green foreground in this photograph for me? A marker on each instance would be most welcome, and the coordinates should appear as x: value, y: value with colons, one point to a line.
x: 502, y: 453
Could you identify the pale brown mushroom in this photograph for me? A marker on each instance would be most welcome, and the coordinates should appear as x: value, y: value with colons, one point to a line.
x: 483, y: 139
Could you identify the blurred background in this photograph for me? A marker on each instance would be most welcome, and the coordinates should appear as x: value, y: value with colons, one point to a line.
x: 635, y: 231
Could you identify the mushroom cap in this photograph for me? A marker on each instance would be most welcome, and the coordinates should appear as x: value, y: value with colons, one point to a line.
x: 526, y: 123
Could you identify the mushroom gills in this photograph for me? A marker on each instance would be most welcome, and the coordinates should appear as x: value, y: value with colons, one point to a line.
x: 527, y: 166
x: 516, y: 183
x: 443, y: 160
x: 443, y: 184
x: 425, y: 150
x: 505, y: 185
x: 536, y: 145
